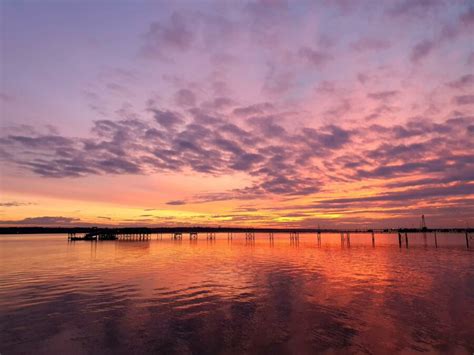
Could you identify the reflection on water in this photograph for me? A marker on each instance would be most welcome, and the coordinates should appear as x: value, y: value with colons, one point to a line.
x: 236, y: 296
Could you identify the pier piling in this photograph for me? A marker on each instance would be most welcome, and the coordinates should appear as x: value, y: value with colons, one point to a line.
x: 145, y: 234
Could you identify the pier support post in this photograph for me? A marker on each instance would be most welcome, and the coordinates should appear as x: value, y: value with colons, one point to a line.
x: 436, y: 239
x: 373, y: 239
x: 399, y: 239
x: 406, y: 239
x: 467, y: 239
x: 294, y: 238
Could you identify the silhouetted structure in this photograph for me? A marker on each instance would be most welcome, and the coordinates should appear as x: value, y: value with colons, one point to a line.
x: 423, y: 222
x: 144, y: 233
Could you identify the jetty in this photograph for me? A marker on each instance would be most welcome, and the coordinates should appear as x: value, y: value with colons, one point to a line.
x: 403, y: 235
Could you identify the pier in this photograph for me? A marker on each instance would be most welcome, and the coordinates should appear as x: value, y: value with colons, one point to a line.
x: 250, y: 234
x: 107, y: 234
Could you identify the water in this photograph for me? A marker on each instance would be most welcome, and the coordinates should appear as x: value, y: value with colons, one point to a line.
x: 182, y: 297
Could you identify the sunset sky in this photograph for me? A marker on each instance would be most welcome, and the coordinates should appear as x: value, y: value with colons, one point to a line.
x: 335, y: 113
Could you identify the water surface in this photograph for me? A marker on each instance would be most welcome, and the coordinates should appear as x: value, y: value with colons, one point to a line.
x: 236, y: 297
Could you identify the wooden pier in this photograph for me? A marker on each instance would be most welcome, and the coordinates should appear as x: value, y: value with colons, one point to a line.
x: 110, y: 235
x: 210, y: 233
x: 145, y: 234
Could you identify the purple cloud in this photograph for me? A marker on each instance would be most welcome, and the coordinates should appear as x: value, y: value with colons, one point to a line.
x: 370, y: 44
x: 185, y: 98
x: 421, y: 50
x: 464, y: 99
x: 174, y: 203
x: 314, y: 57
x: 463, y: 82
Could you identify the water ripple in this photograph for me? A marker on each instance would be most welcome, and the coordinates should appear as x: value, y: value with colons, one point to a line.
x: 207, y: 297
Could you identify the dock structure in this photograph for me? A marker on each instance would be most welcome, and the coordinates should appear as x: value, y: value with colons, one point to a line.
x: 294, y: 235
x: 177, y: 236
x: 211, y: 235
x: 111, y: 234
x: 133, y: 236
x: 347, y: 235
x: 250, y: 235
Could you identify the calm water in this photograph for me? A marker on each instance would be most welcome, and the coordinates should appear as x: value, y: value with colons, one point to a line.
x: 236, y: 297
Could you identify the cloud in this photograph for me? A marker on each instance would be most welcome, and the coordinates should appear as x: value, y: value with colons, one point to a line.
x: 6, y: 97
x: 268, y: 126
x: 327, y: 137
x: 467, y: 18
x: 370, y: 44
x: 175, y: 34
x: 167, y: 119
x: 421, y: 50
x: 185, y: 98
x: 465, y: 81
x: 277, y: 81
x: 301, y: 161
x: 15, y: 204
x: 204, y: 144
x: 257, y: 109
x: 246, y: 161
x: 464, y: 100
x: 218, y: 103
x: 414, y: 7
x: 43, y: 221
x: 176, y: 203
x: 383, y: 95
x: 407, y: 195
x: 314, y: 57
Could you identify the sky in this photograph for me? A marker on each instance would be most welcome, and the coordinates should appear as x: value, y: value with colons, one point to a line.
x: 326, y: 113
